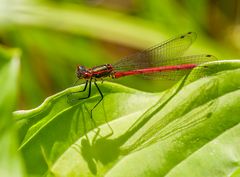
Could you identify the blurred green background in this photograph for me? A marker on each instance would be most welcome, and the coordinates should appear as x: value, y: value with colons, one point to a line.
x: 56, y: 35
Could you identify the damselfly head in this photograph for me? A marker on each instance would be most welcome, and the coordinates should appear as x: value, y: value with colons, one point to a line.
x: 81, y: 71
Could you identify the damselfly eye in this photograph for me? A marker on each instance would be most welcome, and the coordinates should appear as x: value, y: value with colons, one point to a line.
x: 81, y: 70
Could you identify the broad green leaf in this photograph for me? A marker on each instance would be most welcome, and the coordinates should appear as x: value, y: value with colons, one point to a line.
x: 66, y: 121
x: 146, y: 134
x: 10, y: 162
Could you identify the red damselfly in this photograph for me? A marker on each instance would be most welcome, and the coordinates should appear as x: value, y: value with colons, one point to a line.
x: 161, y: 61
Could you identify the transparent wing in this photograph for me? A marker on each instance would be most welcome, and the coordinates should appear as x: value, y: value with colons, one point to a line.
x: 177, y: 74
x: 157, y: 55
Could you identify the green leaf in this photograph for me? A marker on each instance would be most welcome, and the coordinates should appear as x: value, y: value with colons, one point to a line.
x: 10, y: 161
x: 66, y: 121
x: 147, y: 134
x: 84, y: 20
x: 106, y: 25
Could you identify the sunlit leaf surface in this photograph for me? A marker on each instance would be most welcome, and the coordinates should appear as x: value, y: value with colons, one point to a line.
x: 172, y: 133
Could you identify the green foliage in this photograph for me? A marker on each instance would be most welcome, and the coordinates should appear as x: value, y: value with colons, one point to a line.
x: 144, y: 135
x: 190, y: 129
x: 10, y: 162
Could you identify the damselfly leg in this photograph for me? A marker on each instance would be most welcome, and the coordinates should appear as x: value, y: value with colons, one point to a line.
x: 99, y: 101
x: 89, y: 85
x: 84, y: 89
